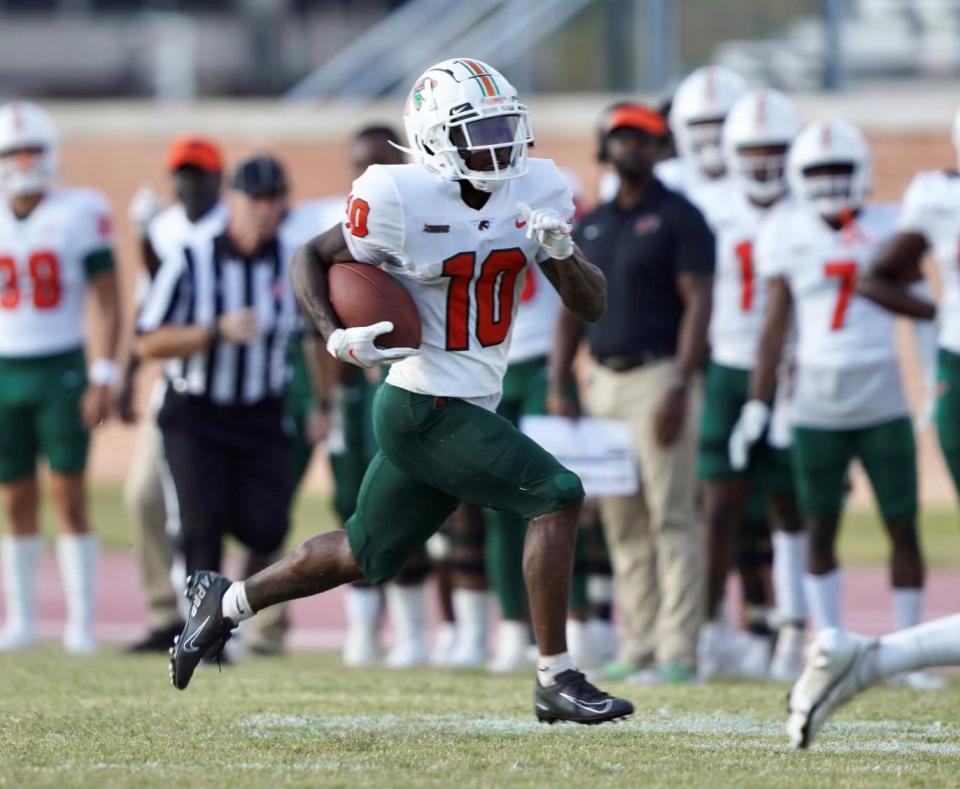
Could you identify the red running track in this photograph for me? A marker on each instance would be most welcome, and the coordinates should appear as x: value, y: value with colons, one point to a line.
x: 318, y: 622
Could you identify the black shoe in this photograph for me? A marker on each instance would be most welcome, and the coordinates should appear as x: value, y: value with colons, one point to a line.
x: 574, y: 699
x: 206, y: 630
x: 156, y: 640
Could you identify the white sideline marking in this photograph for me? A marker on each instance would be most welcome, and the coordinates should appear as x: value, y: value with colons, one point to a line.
x: 711, y: 732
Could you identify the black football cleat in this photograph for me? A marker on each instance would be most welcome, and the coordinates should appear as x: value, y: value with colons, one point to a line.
x: 206, y: 629
x: 573, y: 698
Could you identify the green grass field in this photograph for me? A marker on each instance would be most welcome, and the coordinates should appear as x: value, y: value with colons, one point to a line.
x: 305, y: 721
x: 862, y: 541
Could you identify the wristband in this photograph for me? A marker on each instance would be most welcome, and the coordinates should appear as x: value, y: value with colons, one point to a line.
x: 103, y: 372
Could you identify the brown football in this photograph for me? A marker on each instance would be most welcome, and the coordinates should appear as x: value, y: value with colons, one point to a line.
x: 362, y: 295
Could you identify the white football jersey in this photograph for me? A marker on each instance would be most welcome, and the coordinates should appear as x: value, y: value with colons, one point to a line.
x: 931, y: 208
x: 739, y: 295
x: 837, y: 328
x: 43, y: 279
x: 462, y: 266
x: 536, y: 318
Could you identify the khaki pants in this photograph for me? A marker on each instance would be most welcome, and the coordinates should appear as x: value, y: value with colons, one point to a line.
x: 655, y: 537
x: 153, y: 549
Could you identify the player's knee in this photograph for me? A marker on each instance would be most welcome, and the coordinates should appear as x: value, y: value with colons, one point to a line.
x: 563, y: 491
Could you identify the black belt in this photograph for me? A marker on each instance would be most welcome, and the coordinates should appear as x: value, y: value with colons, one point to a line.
x: 620, y: 363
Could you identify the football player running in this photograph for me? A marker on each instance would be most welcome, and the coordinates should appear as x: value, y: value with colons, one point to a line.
x: 55, y: 249
x: 457, y: 227
x: 757, y: 133
x: 849, y: 399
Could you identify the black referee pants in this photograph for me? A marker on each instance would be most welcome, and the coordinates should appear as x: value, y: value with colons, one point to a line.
x: 232, y: 473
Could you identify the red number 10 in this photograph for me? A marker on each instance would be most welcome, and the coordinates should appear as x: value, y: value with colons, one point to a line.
x: 494, y: 289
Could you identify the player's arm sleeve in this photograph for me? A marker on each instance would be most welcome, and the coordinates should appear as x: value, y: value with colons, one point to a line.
x: 558, y: 196
x: 696, y: 247
x: 919, y: 208
x: 169, y: 299
x: 95, y: 237
x: 374, y: 224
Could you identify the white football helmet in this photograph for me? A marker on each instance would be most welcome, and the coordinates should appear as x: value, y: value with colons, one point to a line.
x: 699, y: 107
x: 462, y: 106
x: 762, y: 119
x: 825, y: 143
x: 27, y: 127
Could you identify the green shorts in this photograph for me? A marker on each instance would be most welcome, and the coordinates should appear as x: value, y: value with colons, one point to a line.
x: 40, y: 399
x: 434, y: 453
x: 948, y: 411
x: 889, y: 457
x: 725, y: 391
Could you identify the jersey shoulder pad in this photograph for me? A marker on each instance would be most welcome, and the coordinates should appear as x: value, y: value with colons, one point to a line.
x: 89, y: 211
x: 931, y: 188
x: 784, y: 233
x: 374, y: 222
x: 671, y: 173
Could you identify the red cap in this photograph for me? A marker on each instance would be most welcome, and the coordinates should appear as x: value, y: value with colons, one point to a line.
x: 195, y: 151
x: 637, y: 116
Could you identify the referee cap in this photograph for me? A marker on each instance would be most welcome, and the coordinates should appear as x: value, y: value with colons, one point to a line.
x: 260, y: 176
x: 191, y: 150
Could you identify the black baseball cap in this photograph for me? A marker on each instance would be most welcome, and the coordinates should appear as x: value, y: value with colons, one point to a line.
x: 260, y: 176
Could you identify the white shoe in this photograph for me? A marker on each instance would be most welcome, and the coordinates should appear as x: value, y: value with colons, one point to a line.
x: 787, y: 660
x: 513, y: 647
x: 79, y: 642
x: 443, y: 643
x: 360, y: 648
x: 406, y: 655
x: 829, y: 679
x: 14, y: 639
x: 918, y: 680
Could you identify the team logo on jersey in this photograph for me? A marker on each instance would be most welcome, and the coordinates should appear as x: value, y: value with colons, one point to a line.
x: 484, y: 224
x: 648, y: 223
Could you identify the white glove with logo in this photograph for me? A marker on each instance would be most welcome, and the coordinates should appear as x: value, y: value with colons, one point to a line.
x: 143, y: 208
x: 550, y: 229
x: 355, y: 346
x: 747, y: 431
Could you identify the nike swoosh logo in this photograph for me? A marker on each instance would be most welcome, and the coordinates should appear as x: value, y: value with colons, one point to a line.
x: 189, y: 644
x: 520, y: 223
x: 597, y: 706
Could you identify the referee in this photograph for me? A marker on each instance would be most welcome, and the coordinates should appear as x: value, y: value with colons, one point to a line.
x: 221, y: 311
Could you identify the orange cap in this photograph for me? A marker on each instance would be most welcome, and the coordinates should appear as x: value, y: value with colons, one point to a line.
x: 637, y: 116
x: 196, y: 151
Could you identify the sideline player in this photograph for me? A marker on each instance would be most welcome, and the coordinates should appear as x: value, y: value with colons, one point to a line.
x: 929, y: 221
x: 440, y: 441
x: 55, y: 249
x: 849, y: 400
x: 840, y: 665
x: 757, y: 133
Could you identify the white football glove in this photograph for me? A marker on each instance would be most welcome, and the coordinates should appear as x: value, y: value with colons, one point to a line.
x: 549, y: 229
x: 355, y: 346
x: 747, y: 431
x: 144, y: 206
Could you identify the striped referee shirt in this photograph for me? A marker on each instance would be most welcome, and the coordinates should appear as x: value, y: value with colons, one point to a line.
x: 207, y: 279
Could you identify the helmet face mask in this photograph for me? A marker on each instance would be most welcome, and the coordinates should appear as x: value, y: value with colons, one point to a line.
x: 464, y: 122
x: 762, y: 170
x: 28, y: 150
x: 703, y: 139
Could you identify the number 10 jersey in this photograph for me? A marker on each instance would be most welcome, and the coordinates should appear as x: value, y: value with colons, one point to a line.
x: 462, y: 266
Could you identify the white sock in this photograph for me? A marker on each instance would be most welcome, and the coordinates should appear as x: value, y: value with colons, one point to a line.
x: 932, y: 644
x: 825, y: 592
x: 407, y: 606
x: 907, y: 608
x: 362, y: 605
x: 600, y: 589
x: 234, y: 605
x: 789, y: 565
x: 21, y: 560
x: 77, y: 557
x: 470, y: 614
x: 549, y: 666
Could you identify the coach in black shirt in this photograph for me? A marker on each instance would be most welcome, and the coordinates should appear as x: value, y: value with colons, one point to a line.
x: 657, y: 254
x: 221, y: 311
